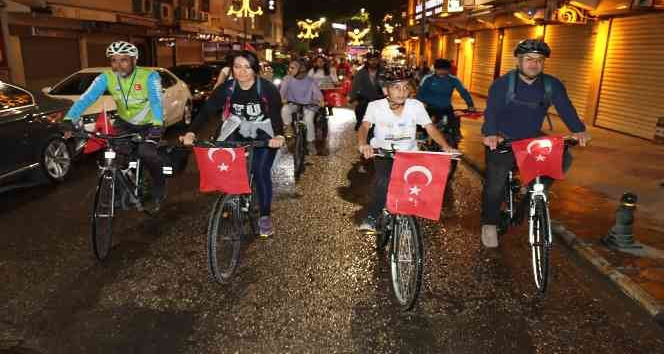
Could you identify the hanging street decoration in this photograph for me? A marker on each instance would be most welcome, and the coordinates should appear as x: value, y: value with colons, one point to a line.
x: 357, y: 35
x: 245, y: 10
x: 310, y: 29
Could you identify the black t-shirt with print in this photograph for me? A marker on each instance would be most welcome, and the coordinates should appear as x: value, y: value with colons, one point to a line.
x: 246, y: 104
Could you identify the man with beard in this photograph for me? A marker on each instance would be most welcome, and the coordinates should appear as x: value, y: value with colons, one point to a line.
x: 137, y: 94
x: 366, y: 86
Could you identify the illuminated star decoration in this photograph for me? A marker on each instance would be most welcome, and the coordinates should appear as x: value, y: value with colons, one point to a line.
x: 223, y: 167
x: 245, y: 10
x: 357, y: 35
x: 310, y: 29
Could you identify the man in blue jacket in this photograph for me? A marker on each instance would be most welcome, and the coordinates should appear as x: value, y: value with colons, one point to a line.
x: 516, y: 107
x: 436, y: 92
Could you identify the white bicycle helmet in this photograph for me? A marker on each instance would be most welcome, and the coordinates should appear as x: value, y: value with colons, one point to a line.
x: 122, y: 48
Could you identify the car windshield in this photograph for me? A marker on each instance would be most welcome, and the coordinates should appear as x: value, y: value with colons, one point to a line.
x: 75, y: 85
x: 199, y: 76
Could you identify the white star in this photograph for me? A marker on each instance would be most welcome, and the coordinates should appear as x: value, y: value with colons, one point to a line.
x: 223, y: 167
x: 415, y: 190
x: 540, y: 158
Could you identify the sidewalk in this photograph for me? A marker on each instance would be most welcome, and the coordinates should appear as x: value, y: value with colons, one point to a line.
x: 585, y: 204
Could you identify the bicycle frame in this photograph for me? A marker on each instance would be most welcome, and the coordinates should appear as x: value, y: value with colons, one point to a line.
x: 537, y: 192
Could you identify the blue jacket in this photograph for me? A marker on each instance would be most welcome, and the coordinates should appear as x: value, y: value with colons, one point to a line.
x: 436, y: 91
x: 520, y: 121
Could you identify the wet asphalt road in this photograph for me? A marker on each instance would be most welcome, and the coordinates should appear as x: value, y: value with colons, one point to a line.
x: 317, y: 287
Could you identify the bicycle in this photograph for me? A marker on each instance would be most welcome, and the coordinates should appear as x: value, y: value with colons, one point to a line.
x: 233, y: 218
x: 405, y: 254
x: 300, y: 130
x: 116, y: 188
x: 513, y: 208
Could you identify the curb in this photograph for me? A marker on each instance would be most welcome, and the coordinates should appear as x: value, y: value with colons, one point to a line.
x: 585, y: 250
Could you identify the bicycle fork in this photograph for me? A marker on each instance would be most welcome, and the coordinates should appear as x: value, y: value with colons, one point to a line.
x: 537, y: 192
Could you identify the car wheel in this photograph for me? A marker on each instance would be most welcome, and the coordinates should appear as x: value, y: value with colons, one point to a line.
x: 56, y: 160
x: 186, y: 115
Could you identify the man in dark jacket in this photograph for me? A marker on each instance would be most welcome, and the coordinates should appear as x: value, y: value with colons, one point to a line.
x: 366, y: 86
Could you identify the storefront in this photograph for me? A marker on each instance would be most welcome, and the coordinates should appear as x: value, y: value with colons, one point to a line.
x: 484, y: 63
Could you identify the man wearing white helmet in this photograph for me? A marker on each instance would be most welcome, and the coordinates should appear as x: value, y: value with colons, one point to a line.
x: 137, y: 94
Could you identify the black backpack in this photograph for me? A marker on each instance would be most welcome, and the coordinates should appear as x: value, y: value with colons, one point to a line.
x: 510, y: 97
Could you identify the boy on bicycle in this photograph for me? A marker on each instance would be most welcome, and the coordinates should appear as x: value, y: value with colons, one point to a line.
x: 395, y: 119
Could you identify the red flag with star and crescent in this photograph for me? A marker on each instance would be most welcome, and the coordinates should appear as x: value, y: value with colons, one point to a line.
x: 102, y: 125
x: 417, y: 184
x: 222, y: 170
x: 539, y: 157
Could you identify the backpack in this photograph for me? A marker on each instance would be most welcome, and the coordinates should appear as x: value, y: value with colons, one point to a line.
x: 510, y: 97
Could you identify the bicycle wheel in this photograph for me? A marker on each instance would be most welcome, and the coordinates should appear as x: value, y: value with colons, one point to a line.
x: 384, y: 230
x: 406, y: 261
x: 540, y: 235
x: 224, y: 237
x: 102, y: 216
x: 300, y: 150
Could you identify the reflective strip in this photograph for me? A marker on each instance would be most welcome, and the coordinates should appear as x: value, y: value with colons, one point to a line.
x: 140, y: 117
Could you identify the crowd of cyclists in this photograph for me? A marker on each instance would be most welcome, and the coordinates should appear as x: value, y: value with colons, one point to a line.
x: 391, y: 104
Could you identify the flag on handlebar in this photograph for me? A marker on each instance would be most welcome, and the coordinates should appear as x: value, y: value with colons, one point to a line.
x: 102, y: 125
x: 222, y: 170
x: 417, y: 184
x: 539, y: 157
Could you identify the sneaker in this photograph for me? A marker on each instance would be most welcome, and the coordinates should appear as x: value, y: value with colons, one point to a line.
x: 265, y: 227
x: 489, y: 236
x: 311, y: 148
x: 368, y: 225
x: 288, y: 131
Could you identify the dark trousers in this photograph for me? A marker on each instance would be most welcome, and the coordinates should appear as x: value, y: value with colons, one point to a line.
x: 498, y: 167
x: 360, y: 111
x: 262, y: 168
x: 147, y: 152
x: 383, y: 169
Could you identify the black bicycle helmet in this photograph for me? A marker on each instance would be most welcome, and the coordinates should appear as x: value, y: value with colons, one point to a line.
x: 373, y: 54
x: 532, y: 46
x: 393, y: 77
x: 442, y: 64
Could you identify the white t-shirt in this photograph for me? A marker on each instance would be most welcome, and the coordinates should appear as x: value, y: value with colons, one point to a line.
x: 390, y: 129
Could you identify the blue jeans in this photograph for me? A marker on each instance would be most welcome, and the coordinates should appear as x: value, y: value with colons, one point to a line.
x: 262, y: 169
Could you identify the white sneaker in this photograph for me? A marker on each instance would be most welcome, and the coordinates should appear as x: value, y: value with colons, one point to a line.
x: 489, y: 236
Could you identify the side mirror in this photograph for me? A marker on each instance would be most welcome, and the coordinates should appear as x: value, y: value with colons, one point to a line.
x: 46, y: 89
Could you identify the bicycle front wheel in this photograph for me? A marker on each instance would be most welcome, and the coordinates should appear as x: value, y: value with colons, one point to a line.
x: 224, y: 237
x: 102, y: 216
x: 300, y: 151
x: 540, y: 234
x: 406, y: 261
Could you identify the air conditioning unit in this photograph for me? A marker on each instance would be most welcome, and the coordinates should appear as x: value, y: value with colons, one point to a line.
x: 183, y: 13
x: 165, y: 12
x: 143, y: 7
x: 205, y: 16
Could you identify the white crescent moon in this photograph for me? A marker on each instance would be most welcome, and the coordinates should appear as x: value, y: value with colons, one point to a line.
x: 211, y: 153
x: 420, y: 169
x: 543, y: 143
x: 232, y: 152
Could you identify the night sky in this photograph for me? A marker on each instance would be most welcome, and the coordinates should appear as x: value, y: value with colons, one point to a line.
x: 300, y: 9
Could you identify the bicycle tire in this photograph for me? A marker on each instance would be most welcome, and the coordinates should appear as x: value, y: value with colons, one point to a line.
x: 406, y: 261
x: 224, y: 238
x: 540, y: 229
x: 102, y: 216
x: 300, y: 151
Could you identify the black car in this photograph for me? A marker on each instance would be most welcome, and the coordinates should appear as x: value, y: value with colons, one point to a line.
x: 200, y: 78
x: 31, y: 140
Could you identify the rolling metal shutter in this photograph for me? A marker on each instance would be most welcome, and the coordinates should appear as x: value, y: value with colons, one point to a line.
x: 450, y: 48
x: 188, y: 51
x: 42, y: 67
x: 571, y: 60
x: 484, y: 61
x: 512, y: 37
x: 631, y: 98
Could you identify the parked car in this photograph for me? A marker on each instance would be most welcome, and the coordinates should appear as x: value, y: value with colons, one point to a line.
x: 31, y: 137
x: 177, y: 99
x: 200, y: 78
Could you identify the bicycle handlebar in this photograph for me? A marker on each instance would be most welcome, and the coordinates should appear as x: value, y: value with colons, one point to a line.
x: 506, y: 144
x: 134, y: 137
x: 233, y: 144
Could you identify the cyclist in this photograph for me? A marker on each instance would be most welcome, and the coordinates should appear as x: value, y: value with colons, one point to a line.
x: 138, y: 97
x: 326, y: 76
x: 304, y: 90
x: 516, y: 106
x: 366, y: 86
x: 394, y: 119
x: 251, y: 109
x: 436, y: 92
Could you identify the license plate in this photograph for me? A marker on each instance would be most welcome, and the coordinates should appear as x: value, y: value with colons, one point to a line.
x: 109, y: 154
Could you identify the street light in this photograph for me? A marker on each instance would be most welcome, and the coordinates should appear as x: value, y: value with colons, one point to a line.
x: 244, y: 12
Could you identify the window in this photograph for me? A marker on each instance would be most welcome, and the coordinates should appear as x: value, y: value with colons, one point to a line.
x: 166, y: 79
x: 14, y: 97
x: 75, y: 85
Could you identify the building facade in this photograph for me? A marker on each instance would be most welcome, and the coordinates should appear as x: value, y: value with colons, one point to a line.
x: 48, y: 40
x: 607, y: 53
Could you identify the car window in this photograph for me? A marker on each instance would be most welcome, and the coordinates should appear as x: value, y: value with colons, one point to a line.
x: 75, y: 85
x: 166, y: 79
x: 201, y: 75
x: 14, y: 97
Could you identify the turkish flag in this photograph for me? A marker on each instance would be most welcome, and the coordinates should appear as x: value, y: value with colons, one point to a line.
x: 223, y: 170
x: 335, y: 98
x: 539, y: 157
x: 417, y: 184
x: 102, y: 125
